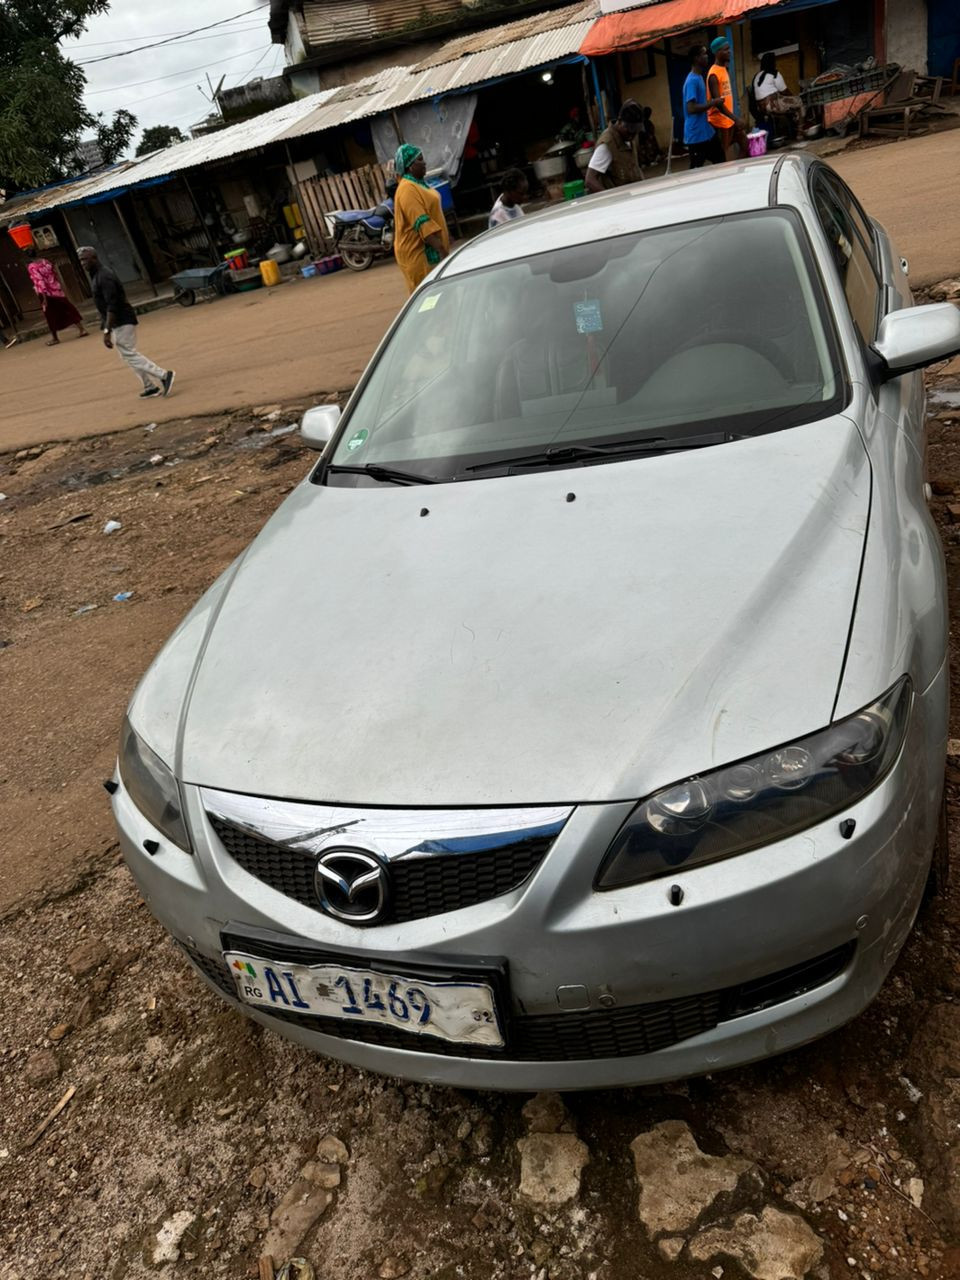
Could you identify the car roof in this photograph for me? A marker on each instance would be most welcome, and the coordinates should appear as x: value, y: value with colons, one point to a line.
x: 688, y: 197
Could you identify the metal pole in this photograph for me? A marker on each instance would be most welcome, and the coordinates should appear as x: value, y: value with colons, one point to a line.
x: 601, y: 115
x: 81, y: 274
x: 206, y: 230
x: 733, y: 72
x: 138, y: 261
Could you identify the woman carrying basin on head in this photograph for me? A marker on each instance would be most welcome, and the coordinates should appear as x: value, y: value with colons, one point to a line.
x: 421, y: 238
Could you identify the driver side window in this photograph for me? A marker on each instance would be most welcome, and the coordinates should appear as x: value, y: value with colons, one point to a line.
x: 852, y: 257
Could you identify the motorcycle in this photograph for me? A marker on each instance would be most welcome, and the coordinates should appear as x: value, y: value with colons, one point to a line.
x: 360, y: 235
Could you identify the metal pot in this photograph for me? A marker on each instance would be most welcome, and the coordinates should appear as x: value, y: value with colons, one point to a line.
x: 550, y: 167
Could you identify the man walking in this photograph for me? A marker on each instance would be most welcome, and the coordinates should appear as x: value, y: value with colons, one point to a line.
x: 119, y: 323
x: 699, y: 135
x: 614, y: 161
x: 728, y: 127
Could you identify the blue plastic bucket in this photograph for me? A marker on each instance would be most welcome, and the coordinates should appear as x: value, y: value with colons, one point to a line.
x: 442, y: 188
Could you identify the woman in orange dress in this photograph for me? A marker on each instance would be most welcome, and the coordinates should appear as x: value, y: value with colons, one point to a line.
x: 420, y: 235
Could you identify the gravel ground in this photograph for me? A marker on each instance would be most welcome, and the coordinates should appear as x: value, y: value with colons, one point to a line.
x: 193, y: 1141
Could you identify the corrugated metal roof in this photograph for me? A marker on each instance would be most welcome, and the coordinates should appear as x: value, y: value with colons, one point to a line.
x: 503, y: 51
x: 247, y: 135
x: 500, y: 60
x: 522, y: 29
x: 347, y: 22
x: 506, y: 50
x: 351, y: 102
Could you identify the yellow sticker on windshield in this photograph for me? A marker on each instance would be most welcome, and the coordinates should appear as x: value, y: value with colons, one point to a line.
x: 429, y: 302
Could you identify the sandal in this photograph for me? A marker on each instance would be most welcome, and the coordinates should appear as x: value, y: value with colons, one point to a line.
x: 52, y: 342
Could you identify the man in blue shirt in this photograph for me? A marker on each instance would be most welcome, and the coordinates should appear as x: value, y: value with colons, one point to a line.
x: 699, y: 134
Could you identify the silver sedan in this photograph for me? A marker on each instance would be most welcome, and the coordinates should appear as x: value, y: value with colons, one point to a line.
x: 580, y: 719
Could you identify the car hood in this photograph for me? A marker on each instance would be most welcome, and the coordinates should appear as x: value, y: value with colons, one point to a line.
x: 583, y: 634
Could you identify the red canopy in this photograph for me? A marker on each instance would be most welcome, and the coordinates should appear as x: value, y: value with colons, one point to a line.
x: 635, y: 28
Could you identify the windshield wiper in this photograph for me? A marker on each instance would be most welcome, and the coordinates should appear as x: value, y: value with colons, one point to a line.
x: 555, y: 455
x: 376, y: 472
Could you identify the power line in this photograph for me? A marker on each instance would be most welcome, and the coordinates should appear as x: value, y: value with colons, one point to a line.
x: 187, y: 71
x: 169, y: 40
x: 154, y: 35
x: 245, y: 74
x: 220, y: 35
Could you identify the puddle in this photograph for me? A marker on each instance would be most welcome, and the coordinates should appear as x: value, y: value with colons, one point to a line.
x: 940, y: 398
x: 261, y: 438
x: 89, y: 479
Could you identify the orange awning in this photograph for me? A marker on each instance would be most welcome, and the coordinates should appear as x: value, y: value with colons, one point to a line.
x: 635, y: 28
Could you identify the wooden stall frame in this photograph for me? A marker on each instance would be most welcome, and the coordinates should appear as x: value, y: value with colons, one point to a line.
x: 356, y: 189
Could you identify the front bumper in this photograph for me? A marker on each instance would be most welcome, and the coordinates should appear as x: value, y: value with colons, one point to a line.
x: 621, y: 988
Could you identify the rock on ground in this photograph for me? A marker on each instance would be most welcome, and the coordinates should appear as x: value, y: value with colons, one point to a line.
x: 670, y: 1247
x: 775, y: 1246
x: 322, y: 1174
x: 88, y: 957
x: 544, y: 1113
x: 393, y: 1268
x: 169, y: 1236
x: 330, y: 1150
x: 677, y: 1180
x: 293, y: 1217
x: 550, y: 1167
x: 42, y: 1067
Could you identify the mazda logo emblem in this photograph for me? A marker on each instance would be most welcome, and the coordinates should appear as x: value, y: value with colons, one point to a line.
x: 352, y: 885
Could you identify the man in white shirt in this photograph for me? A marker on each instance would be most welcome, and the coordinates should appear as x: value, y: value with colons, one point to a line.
x: 614, y: 160
x: 507, y: 206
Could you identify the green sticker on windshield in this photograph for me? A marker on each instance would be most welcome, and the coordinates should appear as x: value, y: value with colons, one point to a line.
x: 358, y: 439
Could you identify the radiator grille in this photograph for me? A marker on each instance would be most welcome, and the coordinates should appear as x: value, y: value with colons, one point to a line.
x: 420, y: 886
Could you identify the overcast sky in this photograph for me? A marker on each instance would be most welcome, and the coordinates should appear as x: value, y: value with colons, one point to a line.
x: 160, y: 85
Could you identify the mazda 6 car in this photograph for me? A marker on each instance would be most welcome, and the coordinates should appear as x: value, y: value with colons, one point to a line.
x: 579, y: 720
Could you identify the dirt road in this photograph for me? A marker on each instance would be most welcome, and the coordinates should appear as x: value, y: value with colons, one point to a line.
x: 274, y: 344
x: 316, y: 335
x: 910, y: 188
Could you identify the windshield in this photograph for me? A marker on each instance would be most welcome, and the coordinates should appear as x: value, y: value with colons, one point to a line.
x: 716, y: 326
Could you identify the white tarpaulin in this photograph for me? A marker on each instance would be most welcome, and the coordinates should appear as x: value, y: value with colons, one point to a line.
x: 439, y: 129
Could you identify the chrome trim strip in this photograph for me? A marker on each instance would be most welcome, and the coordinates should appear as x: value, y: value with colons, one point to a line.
x: 392, y: 833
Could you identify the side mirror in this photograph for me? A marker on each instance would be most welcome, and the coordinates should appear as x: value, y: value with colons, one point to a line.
x: 318, y: 425
x: 917, y: 336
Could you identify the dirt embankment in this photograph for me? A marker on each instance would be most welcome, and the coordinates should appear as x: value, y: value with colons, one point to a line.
x: 190, y: 1132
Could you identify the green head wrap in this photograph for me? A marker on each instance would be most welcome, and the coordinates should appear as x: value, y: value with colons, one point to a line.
x: 406, y: 154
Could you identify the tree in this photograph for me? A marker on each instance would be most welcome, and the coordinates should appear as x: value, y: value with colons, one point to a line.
x: 159, y: 136
x: 113, y: 138
x: 42, y: 113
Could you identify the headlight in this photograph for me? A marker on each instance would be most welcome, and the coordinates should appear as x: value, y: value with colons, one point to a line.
x: 760, y: 800
x: 152, y: 787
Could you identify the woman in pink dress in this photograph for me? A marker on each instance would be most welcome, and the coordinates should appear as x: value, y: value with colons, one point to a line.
x: 59, y: 311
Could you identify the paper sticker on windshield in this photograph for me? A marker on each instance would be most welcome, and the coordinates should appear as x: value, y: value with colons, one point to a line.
x: 358, y: 439
x: 429, y: 302
x: 588, y: 316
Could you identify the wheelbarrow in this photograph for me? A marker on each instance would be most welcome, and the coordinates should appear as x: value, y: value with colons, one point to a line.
x: 210, y: 282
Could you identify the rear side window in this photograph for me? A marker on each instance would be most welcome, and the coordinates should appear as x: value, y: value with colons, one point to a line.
x: 851, y: 242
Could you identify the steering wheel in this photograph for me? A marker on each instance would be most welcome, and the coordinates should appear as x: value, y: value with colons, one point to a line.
x: 753, y: 341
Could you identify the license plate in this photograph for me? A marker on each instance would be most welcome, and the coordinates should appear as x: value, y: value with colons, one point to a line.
x: 462, y: 1012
